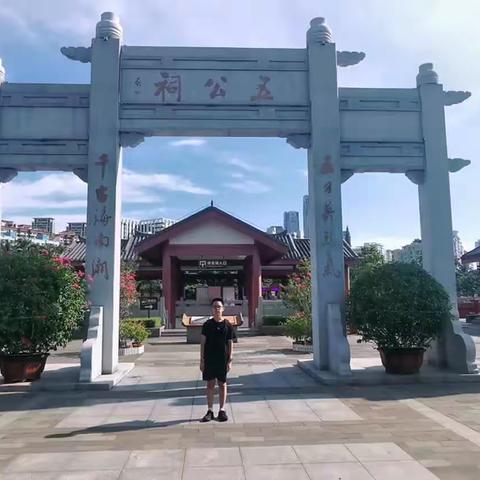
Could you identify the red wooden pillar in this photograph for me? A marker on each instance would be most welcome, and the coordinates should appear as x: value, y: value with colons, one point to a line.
x: 255, y: 289
x: 168, y: 287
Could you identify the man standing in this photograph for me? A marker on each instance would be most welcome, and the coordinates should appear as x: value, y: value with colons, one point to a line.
x: 216, y: 347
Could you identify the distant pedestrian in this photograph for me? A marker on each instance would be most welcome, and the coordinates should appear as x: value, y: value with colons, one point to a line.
x: 216, y: 348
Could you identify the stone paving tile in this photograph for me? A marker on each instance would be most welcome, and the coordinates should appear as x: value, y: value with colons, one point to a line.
x: 214, y: 473
x: 158, y: 472
x: 208, y: 457
x: 155, y: 458
x: 399, y: 470
x: 275, y: 472
x: 370, y: 452
x: 323, y: 453
x: 335, y: 471
x: 268, y: 455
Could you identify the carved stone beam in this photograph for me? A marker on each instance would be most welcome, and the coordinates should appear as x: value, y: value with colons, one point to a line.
x: 132, y: 139
x: 299, y: 140
x: 80, y: 54
x: 452, y: 97
x: 345, y: 175
x: 346, y: 59
x: 415, y: 176
x: 456, y: 164
x: 81, y: 173
x: 7, y: 174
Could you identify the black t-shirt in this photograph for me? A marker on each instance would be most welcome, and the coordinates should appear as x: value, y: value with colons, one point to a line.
x: 217, y: 336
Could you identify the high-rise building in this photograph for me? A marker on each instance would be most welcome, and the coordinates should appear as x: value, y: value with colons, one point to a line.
x: 291, y: 223
x: 128, y: 227
x: 458, y: 249
x: 45, y: 224
x: 306, y: 228
x: 275, y: 229
x: 411, y: 253
x: 79, y: 228
x: 154, y: 225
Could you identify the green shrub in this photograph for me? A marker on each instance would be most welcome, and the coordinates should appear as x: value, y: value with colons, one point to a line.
x: 42, y: 299
x: 299, y: 327
x: 397, y: 305
x: 132, y: 330
x: 273, y: 320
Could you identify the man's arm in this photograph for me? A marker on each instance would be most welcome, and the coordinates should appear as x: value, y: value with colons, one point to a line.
x: 229, y: 354
x: 202, y: 351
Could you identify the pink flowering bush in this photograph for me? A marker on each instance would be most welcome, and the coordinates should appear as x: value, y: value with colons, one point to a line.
x: 128, y: 289
x: 42, y: 300
x: 298, y: 297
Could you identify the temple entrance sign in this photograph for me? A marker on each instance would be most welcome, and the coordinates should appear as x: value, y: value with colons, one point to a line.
x: 137, y: 92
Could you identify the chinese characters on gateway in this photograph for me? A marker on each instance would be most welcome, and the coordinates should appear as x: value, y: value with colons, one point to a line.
x: 169, y: 88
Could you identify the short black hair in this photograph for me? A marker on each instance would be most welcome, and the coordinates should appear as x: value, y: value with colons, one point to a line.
x: 217, y: 299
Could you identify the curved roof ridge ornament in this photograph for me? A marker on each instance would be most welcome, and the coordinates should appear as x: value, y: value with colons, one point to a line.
x: 456, y: 164
x: 453, y: 97
x: 79, y: 54
x: 346, y: 59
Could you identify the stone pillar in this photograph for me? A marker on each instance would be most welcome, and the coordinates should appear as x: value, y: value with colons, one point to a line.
x: 325, y: 204
x: 2, y: 72
x: 104, y: 181
x: 454, y: 349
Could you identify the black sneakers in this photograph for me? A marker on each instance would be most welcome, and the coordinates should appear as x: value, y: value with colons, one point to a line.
x: 222, y: 416
x: 208, y: 416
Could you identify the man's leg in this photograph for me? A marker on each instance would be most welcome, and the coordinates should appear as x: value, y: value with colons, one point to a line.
x: 222, y: 387
x: 210, y: 393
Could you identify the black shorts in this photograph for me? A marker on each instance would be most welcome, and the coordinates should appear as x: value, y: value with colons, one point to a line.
x: 212, y: 372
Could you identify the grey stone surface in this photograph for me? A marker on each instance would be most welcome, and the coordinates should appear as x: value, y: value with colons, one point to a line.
x: 147, y: 426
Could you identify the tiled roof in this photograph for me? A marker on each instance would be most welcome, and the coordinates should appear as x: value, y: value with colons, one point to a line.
x: 298, y: 248
x: 471, y: 256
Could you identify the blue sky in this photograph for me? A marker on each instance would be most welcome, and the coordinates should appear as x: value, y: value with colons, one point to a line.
x: 256, y: 179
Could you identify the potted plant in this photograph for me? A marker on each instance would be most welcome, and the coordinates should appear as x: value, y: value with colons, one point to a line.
x: 132, y: 331
x: 299, y: 328
x: 42, y: 302
x: 400, y: 308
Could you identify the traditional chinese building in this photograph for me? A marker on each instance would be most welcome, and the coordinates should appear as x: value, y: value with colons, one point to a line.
x: 213, y: 254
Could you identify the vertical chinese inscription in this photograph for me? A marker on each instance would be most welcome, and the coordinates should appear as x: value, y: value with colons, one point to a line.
x: 99, y: 266
x: 328, y: 213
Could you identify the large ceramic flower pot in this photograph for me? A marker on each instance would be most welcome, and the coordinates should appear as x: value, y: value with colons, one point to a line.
x: 23, y: 367
x: 402, y: 361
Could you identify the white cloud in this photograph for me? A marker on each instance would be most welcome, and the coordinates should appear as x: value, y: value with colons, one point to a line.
x: 237, y: 175
x: 54, y: 193
x: 249, y: 186
x: 188, y: 142
x: 246, y: 166
x: 133, y: 181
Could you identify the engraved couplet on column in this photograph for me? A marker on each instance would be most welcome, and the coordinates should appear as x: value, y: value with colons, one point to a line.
x: 103, y: 218
x: 100, y: 268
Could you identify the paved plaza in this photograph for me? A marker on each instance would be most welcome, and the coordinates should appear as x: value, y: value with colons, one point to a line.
x: 282, y: 425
